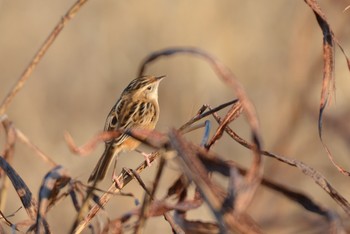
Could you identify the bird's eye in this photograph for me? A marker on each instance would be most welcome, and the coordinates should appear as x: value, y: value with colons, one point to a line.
x: 114, y: 121
x: 149, y: 88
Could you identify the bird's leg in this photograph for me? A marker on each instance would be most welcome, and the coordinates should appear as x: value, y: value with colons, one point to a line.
x: 116, y: 181
x: 115, y: 177
x: 146, y: 156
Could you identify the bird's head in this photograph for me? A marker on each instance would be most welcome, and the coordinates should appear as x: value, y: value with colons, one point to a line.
x: 144, y: 87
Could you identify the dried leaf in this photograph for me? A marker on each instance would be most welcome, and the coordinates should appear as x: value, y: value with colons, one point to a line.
x: 53, y: 182
x: 27, y: 199
x: 328, y: 84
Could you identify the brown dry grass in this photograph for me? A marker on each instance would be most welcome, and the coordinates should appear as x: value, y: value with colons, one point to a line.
x: 274, y: 48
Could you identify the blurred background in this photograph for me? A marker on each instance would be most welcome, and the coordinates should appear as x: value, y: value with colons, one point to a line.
x: 273, y: 47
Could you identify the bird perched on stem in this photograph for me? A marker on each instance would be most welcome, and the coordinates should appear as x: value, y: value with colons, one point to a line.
x: 137, y: 107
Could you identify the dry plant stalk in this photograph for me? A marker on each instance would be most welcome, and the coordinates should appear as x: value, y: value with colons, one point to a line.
x: 197, y: 161
x: 39, y: 55
x: 328, y: 83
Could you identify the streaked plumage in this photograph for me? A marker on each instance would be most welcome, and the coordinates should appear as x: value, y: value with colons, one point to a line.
x: 137, y: 107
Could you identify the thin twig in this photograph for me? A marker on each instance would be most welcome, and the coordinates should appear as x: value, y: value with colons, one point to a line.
x: 35, y: 148
x: 149, y: 196
x: 39, y: 55
x: 231, y: 115
x: 201, y: 114
x: 8, y: 153
x: 124, y: 178
x: 317, y: 177
x: 253, y: 177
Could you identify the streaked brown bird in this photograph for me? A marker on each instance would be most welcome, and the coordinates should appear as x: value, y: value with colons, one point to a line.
x: 137, y: 107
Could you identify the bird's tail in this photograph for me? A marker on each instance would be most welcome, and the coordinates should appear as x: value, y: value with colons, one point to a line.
x: 103, y: 163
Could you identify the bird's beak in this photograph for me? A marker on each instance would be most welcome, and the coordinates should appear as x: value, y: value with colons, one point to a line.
x: 160, y: 77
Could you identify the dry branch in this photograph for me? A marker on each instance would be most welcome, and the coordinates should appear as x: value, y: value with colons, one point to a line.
x: 8, y: 153
x: 124, y: 178
x: 318, y: 178
x: 27, y: 199
x: 39, y: 55
x: 254, y: 175
x: 328, y: 83
x: 197, y: 163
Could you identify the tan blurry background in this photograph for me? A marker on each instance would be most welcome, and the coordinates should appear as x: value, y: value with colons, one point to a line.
x: 274, y: 47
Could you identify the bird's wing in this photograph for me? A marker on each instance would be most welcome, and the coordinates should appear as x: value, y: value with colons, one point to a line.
x: 128, y: 114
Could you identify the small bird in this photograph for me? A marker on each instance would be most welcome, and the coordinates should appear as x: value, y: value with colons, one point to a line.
x: 137, y: 107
